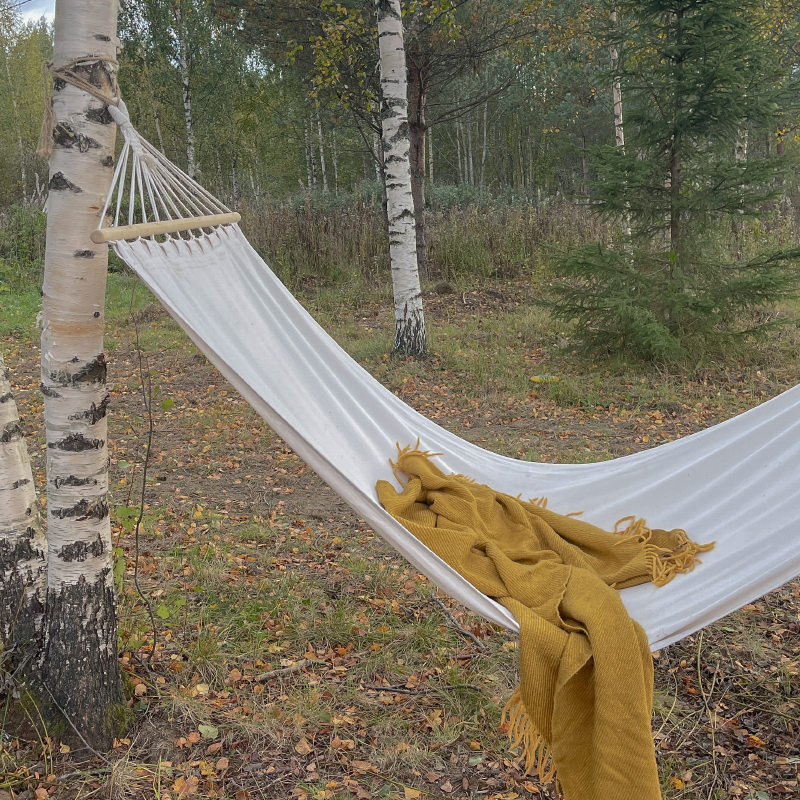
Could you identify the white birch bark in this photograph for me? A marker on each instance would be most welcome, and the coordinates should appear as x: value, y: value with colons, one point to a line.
x: 82, y: 669
x: 181, y: 36
x: 23, y: 564
x: 409, y: 318
x: 322, y: 156
x: 619, y: 128
x: 335, y: 159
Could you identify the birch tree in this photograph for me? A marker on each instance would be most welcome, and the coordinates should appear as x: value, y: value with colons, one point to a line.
x: 409, y: 336
x: 81, y: 669
x: 616, y: 92
x: 23, y: 566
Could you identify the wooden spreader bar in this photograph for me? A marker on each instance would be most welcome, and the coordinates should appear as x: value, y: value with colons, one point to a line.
x: 101, y: 235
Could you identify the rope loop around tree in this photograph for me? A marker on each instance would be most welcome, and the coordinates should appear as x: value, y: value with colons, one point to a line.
x: 68, y: 74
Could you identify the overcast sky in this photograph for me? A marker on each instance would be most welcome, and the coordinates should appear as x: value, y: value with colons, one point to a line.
x: 33, y: 9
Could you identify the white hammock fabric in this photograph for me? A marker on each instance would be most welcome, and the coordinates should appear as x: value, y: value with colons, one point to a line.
x: 737, y: 483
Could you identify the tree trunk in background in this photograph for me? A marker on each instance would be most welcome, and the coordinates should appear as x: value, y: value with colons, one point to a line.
x: 322, y: 156
x: 184, y: 62
x: 307, y: 140
x: 429, y: 137
x: 485, y: 141
x: 469, y: 151
x: 409, y: 335
x: 23, y: 563
x: 335, y: 160
x: 619, y: 129
x: 20, y: 145
x: 418, y: 69
x: 81, y: 669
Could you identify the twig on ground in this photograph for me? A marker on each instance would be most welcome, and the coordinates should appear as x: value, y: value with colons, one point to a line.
x: 276, y: 673
x: 478, y: 643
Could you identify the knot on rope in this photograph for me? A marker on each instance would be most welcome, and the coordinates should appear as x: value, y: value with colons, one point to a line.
x: 68, y: 74
x: 119, y: 113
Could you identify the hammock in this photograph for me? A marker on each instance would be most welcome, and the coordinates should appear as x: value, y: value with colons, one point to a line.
x: 737, y: 483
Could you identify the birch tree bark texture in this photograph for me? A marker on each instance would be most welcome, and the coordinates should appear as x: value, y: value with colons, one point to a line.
x: 23, y: 565
x: 409, y: 338
x: 81, y: 673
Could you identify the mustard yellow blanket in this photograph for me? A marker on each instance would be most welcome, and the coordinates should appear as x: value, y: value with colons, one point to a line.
x: 584, y: 702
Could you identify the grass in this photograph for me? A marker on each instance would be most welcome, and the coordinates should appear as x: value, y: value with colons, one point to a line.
x: 296, y: 655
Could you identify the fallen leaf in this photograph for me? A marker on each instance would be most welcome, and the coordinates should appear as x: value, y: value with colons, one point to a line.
x: 65, y: 748
x: 677, y: 783
x: 194, y: 737
x: 411, y: 794
x: 186, y: 787
x: 208, y: 731
x: 446, y: 787
x: 212, y: 749
x: 755, y: 741
x: 303, y: 747
x: 222, y: 764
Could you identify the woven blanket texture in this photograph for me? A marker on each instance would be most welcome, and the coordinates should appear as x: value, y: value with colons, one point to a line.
x: 583, y: 707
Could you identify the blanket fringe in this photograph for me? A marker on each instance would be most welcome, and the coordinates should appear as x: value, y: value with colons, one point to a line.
x: 521, y: 730
x: 662, y: 562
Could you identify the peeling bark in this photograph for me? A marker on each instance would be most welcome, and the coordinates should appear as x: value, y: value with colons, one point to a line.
x: 409, y: 319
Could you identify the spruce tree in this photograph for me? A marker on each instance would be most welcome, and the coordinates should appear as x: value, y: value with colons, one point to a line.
x: 695, y: 74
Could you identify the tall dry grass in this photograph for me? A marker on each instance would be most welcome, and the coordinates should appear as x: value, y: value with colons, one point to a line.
x: 335, y: 242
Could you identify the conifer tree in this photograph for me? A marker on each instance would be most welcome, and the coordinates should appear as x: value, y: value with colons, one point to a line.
x: 696, y: 73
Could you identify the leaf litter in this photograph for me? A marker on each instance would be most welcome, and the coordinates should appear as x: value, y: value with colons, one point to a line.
x: 298, y: 656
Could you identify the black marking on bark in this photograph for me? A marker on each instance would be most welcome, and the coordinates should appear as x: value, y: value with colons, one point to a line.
x: 72, y: 480
x: 108, y: 161
x: 58, y: 84
x: 4, y: 398
x: 65, y: 136
x: 80, y: 551
x: 409, y: 334
x: 76, y: 443
x: 83, y: 510
x: 20, y: 482
x: 20, y: 609
x: 99, y: 115
x: 11, y: 432
x: 94, y: 413
x: 84, y: 254
x: 102, y: 37
x: 96, y: 314
x: 58, y: 183
x: 47, y: 391
x: 81, y: 661
x: 92, y: 372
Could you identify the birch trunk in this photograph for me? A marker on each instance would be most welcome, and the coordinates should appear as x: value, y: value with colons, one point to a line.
x: 23, y: 564
x: 184, y: 63
x: 80, y: 659
x: 17, y: 125
x: 418, y: 69
x: 619, y: 129
x: 335, y: 159
x: 485, y: 142
x: 322, y: 156
x: 409, y: 335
